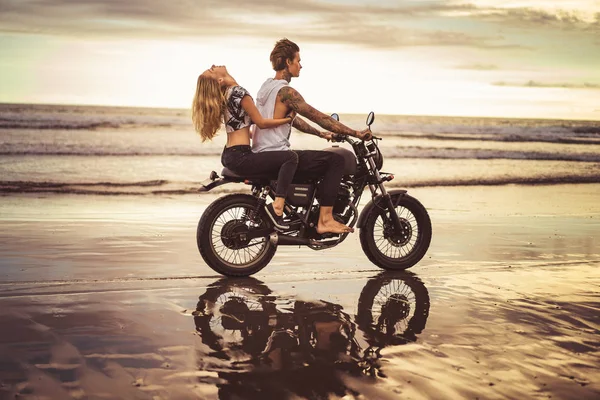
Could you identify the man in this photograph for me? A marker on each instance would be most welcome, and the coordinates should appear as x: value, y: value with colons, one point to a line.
x: 276, y: 99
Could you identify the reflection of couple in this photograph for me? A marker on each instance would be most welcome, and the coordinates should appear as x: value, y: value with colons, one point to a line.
x: 219, y: 98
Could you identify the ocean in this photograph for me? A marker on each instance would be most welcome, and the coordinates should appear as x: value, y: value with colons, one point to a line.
x: 57, y: 149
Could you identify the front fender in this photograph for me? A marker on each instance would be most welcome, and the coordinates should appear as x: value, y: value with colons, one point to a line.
x: 372, y: 203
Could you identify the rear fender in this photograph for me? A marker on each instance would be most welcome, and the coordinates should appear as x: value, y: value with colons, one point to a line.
x: 214, y: 181
x: 373, y: 203
x: 210, y: 185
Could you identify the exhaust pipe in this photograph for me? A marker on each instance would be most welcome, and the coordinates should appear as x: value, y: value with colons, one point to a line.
x: 285, y: 240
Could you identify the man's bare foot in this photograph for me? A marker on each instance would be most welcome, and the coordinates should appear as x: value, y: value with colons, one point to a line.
x: 332, y: 226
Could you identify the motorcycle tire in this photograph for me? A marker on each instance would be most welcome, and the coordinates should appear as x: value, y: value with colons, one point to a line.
x: 393, y: 308
x: 393, y: 250
x: 218, y: 244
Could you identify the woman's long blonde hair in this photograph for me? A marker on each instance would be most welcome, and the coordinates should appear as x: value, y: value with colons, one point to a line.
x: 208, y: 107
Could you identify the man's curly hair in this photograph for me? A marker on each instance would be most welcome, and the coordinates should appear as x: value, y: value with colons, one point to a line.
x: 284, y: 50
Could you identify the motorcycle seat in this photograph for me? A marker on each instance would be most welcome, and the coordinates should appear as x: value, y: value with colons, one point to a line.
x: 265, y: 179
x: 229, y: 174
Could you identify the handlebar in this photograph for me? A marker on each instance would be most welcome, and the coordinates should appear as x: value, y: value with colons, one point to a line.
x: 338, y: 137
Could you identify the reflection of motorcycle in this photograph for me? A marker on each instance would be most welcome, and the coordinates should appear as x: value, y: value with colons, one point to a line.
x: 236, y: 238
x: 265, y: 339
x: 393, y: 308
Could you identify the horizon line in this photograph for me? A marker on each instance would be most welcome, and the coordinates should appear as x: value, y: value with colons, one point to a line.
x: 2, y: 103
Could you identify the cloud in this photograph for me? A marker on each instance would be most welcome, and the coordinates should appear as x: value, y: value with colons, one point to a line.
x: 535, y: 84
x: 107, y: 17
x: 478, y: 67
x: 396, y: 37
x: 449, y: 38
x: 536, y: 18
x: 357, y: 23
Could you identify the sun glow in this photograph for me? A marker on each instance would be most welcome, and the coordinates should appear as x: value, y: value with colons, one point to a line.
x: 343, y: 78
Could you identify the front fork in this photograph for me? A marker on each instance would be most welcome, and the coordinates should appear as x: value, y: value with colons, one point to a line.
x: 385, y: 197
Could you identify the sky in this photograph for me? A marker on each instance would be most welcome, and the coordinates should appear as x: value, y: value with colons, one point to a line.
x: 495, y: 58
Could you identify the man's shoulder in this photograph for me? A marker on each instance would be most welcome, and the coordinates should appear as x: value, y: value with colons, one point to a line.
x: 272, y: 81
x: 287, y: 89
x: 287, y: 93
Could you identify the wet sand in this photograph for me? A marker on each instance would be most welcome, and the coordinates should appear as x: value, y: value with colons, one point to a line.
x: 107, y: 297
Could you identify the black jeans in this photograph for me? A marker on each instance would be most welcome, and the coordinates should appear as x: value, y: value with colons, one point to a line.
x: 314, y: 164
x: 281, y: 164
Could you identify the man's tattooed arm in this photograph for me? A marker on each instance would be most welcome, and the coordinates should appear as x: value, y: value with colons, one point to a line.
x: 294, y: 100
x: 303, y: 126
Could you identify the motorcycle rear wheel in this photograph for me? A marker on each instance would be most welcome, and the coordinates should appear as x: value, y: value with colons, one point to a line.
x: 232, y: 317
x: 393, y: 250
x: 219, y: 241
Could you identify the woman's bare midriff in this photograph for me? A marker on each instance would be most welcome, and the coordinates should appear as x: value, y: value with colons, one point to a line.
x: 239, y: 137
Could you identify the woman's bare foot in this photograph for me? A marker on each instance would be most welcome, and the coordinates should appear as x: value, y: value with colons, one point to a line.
x: 332, y: 226
x: 278, y: 206
x: 278, y: 211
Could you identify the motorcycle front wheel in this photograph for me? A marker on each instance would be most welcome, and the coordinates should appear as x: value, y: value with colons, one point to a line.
x: 221, y: 240
x: 393, y: 308
x: 389, y: 248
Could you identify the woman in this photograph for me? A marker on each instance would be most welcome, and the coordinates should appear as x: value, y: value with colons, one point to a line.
x: 220, y: 99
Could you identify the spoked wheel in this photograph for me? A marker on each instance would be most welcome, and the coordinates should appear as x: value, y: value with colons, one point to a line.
x: 223, y: 241
x: 393, y: 307
x: 232, y: 315
x: 392, y: 248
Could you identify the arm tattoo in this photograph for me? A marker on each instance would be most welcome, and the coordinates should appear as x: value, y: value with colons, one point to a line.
x: 303, y: 126
x: 294, y: 100
x: 291, y: 98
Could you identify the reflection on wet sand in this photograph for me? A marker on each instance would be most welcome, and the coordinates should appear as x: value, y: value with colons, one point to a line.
x: 527, y: 331
x: 268, y: 346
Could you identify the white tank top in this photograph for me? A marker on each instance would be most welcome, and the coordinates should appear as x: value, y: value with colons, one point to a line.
x: 270, y: 139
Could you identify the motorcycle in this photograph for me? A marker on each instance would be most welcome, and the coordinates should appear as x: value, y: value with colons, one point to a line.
x: 236, y: 237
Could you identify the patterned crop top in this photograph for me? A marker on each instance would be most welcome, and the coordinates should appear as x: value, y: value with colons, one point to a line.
x: 235, y: 115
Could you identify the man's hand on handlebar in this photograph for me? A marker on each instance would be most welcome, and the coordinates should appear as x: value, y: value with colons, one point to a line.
x: 338, y: 137
x: 364, y: 134
x: 327, y: 136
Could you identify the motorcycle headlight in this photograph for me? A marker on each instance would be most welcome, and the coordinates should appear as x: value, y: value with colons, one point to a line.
x: 378, y: 157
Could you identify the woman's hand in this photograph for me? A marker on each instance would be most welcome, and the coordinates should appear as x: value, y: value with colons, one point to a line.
x: 291, y: 116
